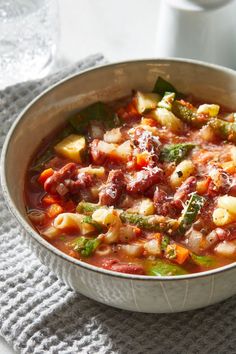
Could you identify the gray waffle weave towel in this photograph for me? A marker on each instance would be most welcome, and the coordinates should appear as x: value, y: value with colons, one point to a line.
x: 39, y: 314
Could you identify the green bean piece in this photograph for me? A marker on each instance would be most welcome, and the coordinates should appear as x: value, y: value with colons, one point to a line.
x: 163, y: 268
x: 225, y: 130
x: 194, y: 205
x: 175, y: 152
x: 152, y: 222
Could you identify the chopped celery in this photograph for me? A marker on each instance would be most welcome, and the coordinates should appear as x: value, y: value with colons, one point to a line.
x: 98, y: 111
x: 175, y: 152
x: 205, y: 261
x: 163, y: 268
x: 146, y: 101
x: 167, y: 100
x: 225, y: 130
x: 85, y: 246
x: 190, y: 212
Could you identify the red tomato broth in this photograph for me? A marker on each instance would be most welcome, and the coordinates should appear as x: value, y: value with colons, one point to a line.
x: 206, y: 153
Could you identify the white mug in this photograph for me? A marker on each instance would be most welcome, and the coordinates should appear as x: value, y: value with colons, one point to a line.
x: 198, y: 29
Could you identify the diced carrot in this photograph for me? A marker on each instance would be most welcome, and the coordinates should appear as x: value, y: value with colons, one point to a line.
x: 228, y: 166
x: 149, y: 121
x: 49, y: 199
x: 142, y: 159
x: 202, y: 186
x: 45, y: 174
x: 54, y: 210
x: 182, y: 254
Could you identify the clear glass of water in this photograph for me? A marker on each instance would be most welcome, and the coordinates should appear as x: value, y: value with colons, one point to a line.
x: 29, y: 33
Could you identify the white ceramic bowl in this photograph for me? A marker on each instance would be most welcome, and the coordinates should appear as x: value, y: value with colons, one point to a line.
x: 50, y: 109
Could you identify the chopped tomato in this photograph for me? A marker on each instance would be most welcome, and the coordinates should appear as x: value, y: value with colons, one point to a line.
x: 49, y: 199
x: 143, y: 159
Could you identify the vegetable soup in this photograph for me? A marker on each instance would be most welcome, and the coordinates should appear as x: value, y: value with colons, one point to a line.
x: 145, y: 185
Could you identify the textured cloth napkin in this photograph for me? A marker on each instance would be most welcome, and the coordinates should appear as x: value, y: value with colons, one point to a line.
x: 39, y: 314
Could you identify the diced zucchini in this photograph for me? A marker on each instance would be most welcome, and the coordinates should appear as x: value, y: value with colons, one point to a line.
x: 167, y: 100
x: 98, y: 111
x: 163, y: 268
x: 175, y: 152
x: 190, y: 212
x: 147, y: 101
x: 72, y: 147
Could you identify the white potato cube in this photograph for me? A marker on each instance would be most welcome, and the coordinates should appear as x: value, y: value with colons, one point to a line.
x: 222, y: 217
x: 167, y: 119
x: 227, y: 202
x: 226, y: 248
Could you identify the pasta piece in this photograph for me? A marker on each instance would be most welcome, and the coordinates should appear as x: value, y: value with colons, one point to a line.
x: 181, y: 173
x: 103, y: 250
x: 66, y: 221
x: 144, y: 206
x: 222, y: 217
x: 227, y: 202
x: 37, y: 216
x: 108, y: 217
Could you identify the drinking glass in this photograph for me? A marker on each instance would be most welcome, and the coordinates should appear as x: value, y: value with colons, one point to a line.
x: 29, y: 32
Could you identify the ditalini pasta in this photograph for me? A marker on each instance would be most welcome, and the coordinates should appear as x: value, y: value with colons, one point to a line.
x: 144, y: 185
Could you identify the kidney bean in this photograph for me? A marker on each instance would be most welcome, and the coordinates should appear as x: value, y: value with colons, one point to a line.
x: 144, y: 179
x: 129, y: 268
x: 187, y: 187
x: 112, y: 191
x: 164, y: 206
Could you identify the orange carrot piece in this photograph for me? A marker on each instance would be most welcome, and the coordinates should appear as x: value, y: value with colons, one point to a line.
x: 182, y: 254
x: 54, y: 210
x: 142, y: 159
x: 149, y: 121
x: 45, y: 174
x: 49, y: 199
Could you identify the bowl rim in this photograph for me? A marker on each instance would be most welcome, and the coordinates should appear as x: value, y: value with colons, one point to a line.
x: 31, y: 232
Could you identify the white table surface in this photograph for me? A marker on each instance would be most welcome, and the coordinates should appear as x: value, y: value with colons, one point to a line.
x: 121, y: 30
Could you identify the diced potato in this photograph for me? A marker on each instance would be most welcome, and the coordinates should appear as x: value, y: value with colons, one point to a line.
x: 207, y: 133
x: 72, y: 147
x: 132, y: 250
x: 113, y: 136
x: 105, y: 216
x: 226, y: 248
x: 124, y: 150
x: 211, y: 109
x: 222, y: 217
x: 167, y: 119
x: 227, y: 202
x: 181, y: 173
x: 95, y: 171
x: 153, y: 247
x: 146, y: 101
x: 106, y: 148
